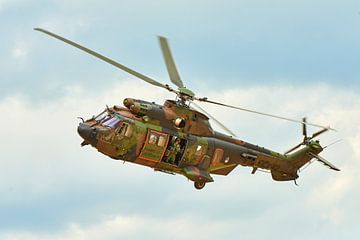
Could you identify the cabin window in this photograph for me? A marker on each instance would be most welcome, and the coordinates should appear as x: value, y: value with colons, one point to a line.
x: 112, y: 122
x: 218, y: 155
x: 157, y: 139
x: 153, y: 138
x: 162, y: 141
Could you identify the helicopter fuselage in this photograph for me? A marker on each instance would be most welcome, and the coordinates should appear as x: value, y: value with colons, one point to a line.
x: 176, y: 139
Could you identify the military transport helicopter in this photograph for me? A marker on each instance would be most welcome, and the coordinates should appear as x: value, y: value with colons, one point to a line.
x: 175, y: 138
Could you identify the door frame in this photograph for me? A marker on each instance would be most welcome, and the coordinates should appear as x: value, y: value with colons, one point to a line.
x: 146, y: 143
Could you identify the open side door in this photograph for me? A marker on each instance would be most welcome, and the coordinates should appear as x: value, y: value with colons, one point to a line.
x: 154, y: 146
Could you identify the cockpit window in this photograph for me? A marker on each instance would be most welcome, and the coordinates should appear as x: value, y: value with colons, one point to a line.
x: 112, y: 122
x: 101, y: 116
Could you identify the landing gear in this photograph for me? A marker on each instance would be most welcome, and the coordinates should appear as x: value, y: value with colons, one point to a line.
x: 199, y: 185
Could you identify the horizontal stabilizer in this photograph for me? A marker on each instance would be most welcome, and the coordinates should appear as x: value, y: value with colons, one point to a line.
x: 324, y: 161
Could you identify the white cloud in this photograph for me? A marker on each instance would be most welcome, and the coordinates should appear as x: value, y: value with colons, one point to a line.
x: 136, y: 227
x: 43, y: 138
x: 8, y: 3
x: 19, y: 51
x: 2, y: 3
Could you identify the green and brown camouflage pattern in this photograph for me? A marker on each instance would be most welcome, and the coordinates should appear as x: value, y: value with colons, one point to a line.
x: 206, y: 151
x: 143, y: 133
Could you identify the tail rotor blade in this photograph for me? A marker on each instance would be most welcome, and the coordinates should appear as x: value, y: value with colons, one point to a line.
x: 319, y: 132
x: 294, y: 148
x: 304, y: 128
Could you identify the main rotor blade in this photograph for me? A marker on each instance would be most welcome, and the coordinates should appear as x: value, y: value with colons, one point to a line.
x: 215, y: 120
x: 262, y: 113
x: 106, y: 59
x: 324, y: 161
x: 170, y: 63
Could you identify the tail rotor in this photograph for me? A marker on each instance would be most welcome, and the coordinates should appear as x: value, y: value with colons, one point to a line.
x: 306, y: 140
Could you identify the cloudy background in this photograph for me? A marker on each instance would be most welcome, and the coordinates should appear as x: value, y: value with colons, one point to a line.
x: 295, y: 58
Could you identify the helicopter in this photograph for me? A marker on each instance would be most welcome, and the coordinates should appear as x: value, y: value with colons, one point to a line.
x: 175, y: 138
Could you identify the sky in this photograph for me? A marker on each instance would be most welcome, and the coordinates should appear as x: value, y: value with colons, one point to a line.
x: 294, y: 58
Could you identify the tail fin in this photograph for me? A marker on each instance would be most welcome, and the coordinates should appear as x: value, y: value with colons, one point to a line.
x: 324, y: 161
x: 303, y: 156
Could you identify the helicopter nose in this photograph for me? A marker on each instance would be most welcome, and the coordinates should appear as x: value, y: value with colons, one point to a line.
x: 88, y: 133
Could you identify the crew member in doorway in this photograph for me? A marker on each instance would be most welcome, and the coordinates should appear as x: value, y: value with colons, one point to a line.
x: 175, y: 149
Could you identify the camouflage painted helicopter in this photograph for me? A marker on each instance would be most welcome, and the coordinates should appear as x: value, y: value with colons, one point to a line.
x: 176, y: 139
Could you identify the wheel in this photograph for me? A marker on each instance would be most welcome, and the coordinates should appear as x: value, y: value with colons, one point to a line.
x: 199, y: 185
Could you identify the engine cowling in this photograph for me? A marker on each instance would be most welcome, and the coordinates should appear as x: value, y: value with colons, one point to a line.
x: 137, y: 107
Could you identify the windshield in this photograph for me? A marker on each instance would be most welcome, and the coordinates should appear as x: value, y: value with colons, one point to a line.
x: 102, y: 116
x: 112, y: 122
